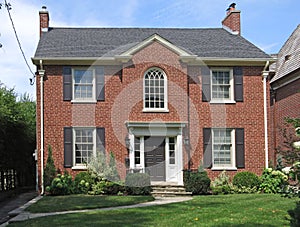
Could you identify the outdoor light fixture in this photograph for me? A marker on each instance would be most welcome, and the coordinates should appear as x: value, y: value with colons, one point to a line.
x: 127, y: 142
x: 186, y: 141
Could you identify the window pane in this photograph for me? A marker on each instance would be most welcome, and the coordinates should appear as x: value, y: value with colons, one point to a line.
x: 221, y: 84
x: 84, y: 145
x: 83, y: 84
x: 155, y: 90
x: 172, y: 150
x: 222, y: 146
x: 137, y: 152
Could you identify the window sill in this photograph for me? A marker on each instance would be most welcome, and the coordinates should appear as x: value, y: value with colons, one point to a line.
x: 224, y: 168
x: 79, y: 168
x: 222, y: 102
x: 155, y: 110
x: 84, y: 101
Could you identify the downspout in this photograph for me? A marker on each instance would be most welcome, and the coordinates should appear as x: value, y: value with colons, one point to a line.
x: 265, y: 75
x: 188, y: 126
x: 42, y: 74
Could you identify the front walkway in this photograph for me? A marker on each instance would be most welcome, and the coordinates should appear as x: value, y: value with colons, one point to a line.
x: 24, y: 215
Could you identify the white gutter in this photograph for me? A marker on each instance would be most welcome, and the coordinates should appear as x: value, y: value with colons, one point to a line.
x: 265, y: 75
x: 41, y: 74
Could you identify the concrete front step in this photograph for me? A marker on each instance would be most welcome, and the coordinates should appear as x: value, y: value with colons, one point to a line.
x: 169, y: 191
x: 170, y: 194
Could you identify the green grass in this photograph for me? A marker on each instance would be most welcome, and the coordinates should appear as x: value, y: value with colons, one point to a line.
x: 230, y: 210
x: 80, y: 202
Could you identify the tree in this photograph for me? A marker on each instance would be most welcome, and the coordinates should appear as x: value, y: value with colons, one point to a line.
x: 50, y: 172
x: 289, y: 153
x: 17, y: 134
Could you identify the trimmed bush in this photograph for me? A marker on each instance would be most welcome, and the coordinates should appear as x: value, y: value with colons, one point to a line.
x: 196, y: 182
x: 83, y: 182
x: 138, y: 184
x: 49, y: 172
x: 246, y: 179
x: 61, y: 185
x: 107, y: 187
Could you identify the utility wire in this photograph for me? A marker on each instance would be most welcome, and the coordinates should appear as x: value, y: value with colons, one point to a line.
x: 8, y: 7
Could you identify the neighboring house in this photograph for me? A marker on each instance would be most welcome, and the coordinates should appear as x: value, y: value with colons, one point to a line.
x: 285, y: 84
x: 163, y: 100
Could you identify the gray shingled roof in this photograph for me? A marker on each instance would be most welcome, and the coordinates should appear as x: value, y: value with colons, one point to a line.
x: 108, y: 42
x: 289, y: 56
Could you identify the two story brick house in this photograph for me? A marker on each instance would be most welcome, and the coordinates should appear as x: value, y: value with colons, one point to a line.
x: 161, y: 99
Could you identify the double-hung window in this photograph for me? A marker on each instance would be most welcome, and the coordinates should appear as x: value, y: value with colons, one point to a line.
x: 223, y: 148
x: 222, y: 85
x: 81, y: 144
x: 84, y: 145
x: 155, y: 90
x: 84, y: 84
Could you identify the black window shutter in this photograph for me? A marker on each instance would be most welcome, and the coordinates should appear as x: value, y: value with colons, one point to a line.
x: 240, y: 147
x: 100, y: 84
x: 238, y: 84
x: 206, y: 90
x: 100, y: 141
x: 67, y: 83
x: 68, y: 147
x: 207, y: 148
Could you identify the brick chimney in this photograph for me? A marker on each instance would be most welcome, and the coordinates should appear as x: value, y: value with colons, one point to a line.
x: 232, y: 21
x: 44, y: 20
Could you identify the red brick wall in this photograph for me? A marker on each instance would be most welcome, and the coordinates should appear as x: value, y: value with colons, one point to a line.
x: 247, y: 115
x: 124, y: 101
x: 286, y: 104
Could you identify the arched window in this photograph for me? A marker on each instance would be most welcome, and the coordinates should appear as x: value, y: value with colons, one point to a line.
x: 155, y: 90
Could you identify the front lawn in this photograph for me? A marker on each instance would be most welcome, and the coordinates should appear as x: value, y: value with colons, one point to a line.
x: 81, y: 202
x: 223, y: 210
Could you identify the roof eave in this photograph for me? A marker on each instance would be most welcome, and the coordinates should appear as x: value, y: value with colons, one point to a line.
x: 119, y: 59
x: 77, y: 60
x: 227, y: 61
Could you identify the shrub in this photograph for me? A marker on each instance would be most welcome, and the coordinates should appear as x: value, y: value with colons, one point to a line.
x: 107, y: 187
x: 101, y: 169
x: 61, y: 185
x: 83, y: 182
x: 113, y: 188
x: 273, y: 181
x: 295, y: 216
x: 246, y: 179
x: 221, y: 184
x: 196, y: 182
x: 49, y: 171
x: 243, y: 189
x: 137, y: 184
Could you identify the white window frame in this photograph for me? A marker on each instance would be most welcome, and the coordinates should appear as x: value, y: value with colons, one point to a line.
x: 231, y: 84
x: 232, y: 165
x: 155, y: 109
x: 84, y: 100
x: 81, y: 165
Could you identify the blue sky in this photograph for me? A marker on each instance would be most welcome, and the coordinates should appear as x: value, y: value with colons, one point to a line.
x: 266, y: 23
